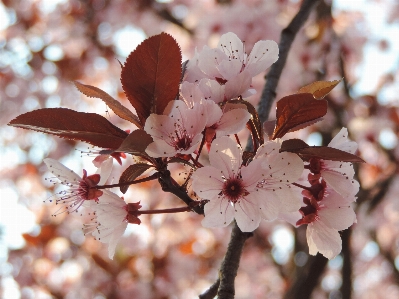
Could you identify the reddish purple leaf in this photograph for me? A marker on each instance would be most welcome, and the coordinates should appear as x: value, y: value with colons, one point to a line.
x: 295, y: 110
x: 151, y: 75
x: 117, y: 107
x: 307, y: 152
x: 66, y: 123
x: 131, y: 173
x: 135, y: 143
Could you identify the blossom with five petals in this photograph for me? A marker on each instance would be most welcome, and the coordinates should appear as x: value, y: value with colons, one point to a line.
x: 81, y: 189
x: 111, y: 219
x: 338, y: 175
x: 230, y: 66
x: 177, y: 131
x: 326, y: 212
x: 237, y: 191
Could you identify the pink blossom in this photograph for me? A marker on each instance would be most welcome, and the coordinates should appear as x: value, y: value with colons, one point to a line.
x: 219, y: 121
x: 230, y: 66
x: 338, y: 175
x: 178, y: 131
x: 81, y: 189
x: 110, y: 222
x: 281, y: 170
x: 326, y: 212
x: 242, y: 192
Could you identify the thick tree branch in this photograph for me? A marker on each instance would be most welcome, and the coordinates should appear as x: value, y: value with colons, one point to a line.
x: 307, y: 278
x: 286, y: 39
x: 231, y: 261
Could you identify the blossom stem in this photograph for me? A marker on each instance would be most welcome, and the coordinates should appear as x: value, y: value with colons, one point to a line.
x: 165, y: 211
x: 150, y: 178
x: 301, y: 186
x: 200, y: 149
x: 238, y: 140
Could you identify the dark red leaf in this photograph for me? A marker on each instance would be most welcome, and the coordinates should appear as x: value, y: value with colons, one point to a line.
x: 293, y: 145
x: 295, y: 110
x: 135, y: 143
x: 66, y: 123
x: 117, y: 107
x: 151, y: 75
x: 131, y: 173
x: 307, y: 152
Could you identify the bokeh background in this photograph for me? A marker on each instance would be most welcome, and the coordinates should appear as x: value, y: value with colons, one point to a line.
x: 45, y: 45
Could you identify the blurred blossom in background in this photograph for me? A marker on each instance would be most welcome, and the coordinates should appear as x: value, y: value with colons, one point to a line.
x: 45, y: 45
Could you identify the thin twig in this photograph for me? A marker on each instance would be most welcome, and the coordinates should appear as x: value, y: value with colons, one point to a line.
x: 211, y: 292
x: 168, y: 184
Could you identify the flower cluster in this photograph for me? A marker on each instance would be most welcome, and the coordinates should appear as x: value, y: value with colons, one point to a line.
x: 232, y: 184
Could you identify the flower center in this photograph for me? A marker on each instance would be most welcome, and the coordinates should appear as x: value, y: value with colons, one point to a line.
x: 233, y: 189
x: 182, y: 142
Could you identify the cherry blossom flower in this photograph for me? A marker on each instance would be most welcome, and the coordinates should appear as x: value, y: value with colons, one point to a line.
x: 236, y: 191
x: 326, y: 212
x: 281, y: 170
x: 230, y: 66
x: 111, y: 219
x: 102, y: 157
x: 219, y: 121
x: 338, y: 175
x: 81, y: 189
x: 179, y: 132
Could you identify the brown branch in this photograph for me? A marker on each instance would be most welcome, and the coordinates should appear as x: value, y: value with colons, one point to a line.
x: 231, y: 261
x: 286, y: 39
x: 168, y: 184
x: 307, y: 278
x: 211, y: 292
x: 346, y: 271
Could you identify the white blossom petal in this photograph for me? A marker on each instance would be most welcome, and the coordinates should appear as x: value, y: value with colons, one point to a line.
x: 232, y: 122
x: 229, y: 69
x: 269, y: 204
x: 323, y: 239
x: 226, y: 155
x: 341, y: 142
x: 267, y: 149
x: 116, y: 235
x: 191, y: 93
x: 232, y: 46
x: 209, y: 60
x: 218, y: 213
x: 290, y: 199
x: 212, y: 90
x: 339, y: 218
x: 247, y: 214
x: 207, y: 182
x: 63, y: 173
x: 237, y: 85
x: 341, y: 183
x: 263, y: 55
x: 105, y: 170
x: 159, y: 148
